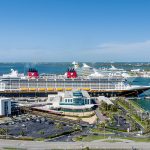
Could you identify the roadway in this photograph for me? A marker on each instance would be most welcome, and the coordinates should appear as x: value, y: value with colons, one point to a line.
x: 99, y: 144
x: 99, y: 115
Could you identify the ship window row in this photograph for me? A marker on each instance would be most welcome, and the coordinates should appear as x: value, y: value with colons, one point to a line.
x: 49, y: 83
x: 94, y: 87
x: 63, y: 85
x: 62, y: 82
x: 65, y: 80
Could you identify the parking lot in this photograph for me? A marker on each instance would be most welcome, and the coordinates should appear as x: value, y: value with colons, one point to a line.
x: 120, y: 123
x: 34, y: 126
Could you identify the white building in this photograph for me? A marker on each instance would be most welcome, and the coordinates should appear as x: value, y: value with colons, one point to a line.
x: 5, y: 106
x: 71, y: 100
x: 105, y: 99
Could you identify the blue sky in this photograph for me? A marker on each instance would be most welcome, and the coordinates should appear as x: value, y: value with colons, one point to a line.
x: 68, y: 30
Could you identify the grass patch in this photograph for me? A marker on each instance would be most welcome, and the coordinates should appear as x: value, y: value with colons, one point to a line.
x: 79, y: 138
x: 25, y: 138
x: 112, y: 141
x: 133, y: 103
x: 115, y: 129
x: 101, y: 131
x: 39, y: 139
x: 134, y: 117
x: 118, y: 139
x: 89, y: 138
x: 41, y: 132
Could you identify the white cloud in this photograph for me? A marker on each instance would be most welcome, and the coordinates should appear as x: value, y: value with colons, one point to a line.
x: 128, y: 47
x: 135, y: 51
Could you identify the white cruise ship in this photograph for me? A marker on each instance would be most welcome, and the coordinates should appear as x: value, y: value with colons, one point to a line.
x: 40, y: 86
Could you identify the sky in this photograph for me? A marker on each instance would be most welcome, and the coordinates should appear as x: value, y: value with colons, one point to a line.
x: 74, y: 30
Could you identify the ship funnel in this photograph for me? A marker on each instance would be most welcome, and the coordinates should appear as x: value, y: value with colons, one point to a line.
x: 71, y: 73
x: 33, y: 73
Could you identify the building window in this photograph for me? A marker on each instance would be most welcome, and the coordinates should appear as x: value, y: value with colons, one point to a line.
x: 87, y: 101
x: 78, y: 101
x: 6, y: 108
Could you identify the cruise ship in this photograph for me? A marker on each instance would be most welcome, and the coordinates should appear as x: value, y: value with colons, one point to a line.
x: 87, y: 70
x: 35, y: 85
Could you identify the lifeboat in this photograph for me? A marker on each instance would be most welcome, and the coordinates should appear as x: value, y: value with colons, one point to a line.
x: 50, y: 89
x: 68, y: 89
x: 32, y: 89
x: 86, y: 89
x: 24, y: 89
x: 42, y: 89
x: 59, y: 89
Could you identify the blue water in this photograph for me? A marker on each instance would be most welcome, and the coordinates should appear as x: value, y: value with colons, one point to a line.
x: 144, y: 103
x: 61, y: 68
x: 55, y: 68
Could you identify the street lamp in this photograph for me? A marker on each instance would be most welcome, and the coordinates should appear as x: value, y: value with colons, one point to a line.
x: 68, y: 138
x: 141, y: 115
x: 118, y: 121
x: 104, y: 131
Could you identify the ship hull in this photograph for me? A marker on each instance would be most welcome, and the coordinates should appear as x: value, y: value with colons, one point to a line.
x: 110, y: 87
x: 95, y: 93
x: 121, y: 93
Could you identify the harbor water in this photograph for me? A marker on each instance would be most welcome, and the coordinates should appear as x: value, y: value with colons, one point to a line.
x: 61, y: 68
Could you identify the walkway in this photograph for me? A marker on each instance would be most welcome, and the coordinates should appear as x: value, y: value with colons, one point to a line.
x: 37, y: 145
x: 100, y: 115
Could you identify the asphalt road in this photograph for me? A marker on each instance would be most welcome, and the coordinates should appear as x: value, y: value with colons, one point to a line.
x: 99, y: 115
x: 37, y: 145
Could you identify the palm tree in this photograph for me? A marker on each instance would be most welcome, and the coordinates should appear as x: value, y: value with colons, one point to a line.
x: 103, y: 106
x: 103, y: 125
x: 147, y: 122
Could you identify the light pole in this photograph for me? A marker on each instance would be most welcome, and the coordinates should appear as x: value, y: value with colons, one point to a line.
x: 141, y: 115
x: 118, y: 120
x: 68, y: 138
x: 104, y: 131
x: 82, y: 146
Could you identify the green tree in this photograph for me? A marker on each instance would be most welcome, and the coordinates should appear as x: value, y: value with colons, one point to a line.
x: 104, y: 106
x: 113, y: 108
x: 22, y: 133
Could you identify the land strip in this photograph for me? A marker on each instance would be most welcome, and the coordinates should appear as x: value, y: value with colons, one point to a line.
x: 98, y: 144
